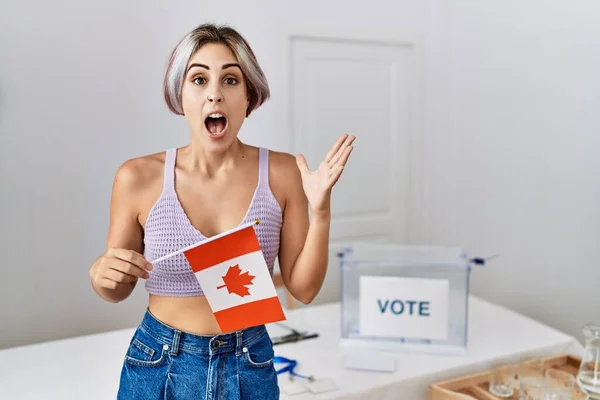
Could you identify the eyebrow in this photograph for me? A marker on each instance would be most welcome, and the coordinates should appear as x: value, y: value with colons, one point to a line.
x: 225, y: 66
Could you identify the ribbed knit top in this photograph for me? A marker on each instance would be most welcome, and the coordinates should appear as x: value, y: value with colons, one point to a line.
x: 168, y: 229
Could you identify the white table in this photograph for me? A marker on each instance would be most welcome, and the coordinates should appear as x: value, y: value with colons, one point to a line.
x: 88, y: 367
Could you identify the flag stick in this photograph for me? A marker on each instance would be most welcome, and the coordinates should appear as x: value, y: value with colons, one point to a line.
x: 220, y: 235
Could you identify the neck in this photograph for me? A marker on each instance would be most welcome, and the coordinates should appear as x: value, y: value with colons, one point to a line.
x: 198, y: 158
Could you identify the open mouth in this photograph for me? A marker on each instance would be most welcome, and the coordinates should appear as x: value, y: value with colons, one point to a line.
x: 216, y: 124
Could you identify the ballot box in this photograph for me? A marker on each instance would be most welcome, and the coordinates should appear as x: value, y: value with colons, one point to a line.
x: 404, y: 297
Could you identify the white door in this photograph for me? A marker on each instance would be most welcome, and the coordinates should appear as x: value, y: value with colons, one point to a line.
x: 363, y: 88
x: 336, y: 68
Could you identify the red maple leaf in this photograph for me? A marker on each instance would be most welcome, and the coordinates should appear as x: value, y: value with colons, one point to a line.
x: 236, y: 282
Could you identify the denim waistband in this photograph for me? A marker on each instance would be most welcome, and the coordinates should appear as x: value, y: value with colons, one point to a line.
x: 177, y: 340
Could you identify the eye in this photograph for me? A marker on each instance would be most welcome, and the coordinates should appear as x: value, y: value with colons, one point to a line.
x: 231, y: 81
x: 199, y: 81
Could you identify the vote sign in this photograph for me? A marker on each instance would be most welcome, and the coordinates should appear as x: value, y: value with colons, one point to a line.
x: 396, y: 307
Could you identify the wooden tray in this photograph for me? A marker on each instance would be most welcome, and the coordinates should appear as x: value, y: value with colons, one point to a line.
x: 475, y: 387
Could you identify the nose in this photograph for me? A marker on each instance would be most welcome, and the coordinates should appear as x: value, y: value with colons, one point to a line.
x: 214, y: 97
x: 213, y: 92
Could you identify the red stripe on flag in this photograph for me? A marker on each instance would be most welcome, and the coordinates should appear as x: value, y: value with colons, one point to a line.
x: 250, y: 314
x: 238, y: 243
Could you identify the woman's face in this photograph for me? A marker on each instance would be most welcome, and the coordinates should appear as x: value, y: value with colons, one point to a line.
x: 214, y: 96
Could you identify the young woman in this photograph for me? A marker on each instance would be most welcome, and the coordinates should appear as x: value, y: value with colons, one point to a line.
x: 166, y: 201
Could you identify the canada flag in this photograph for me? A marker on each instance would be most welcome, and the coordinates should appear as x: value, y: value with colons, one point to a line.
x: 234, y: 276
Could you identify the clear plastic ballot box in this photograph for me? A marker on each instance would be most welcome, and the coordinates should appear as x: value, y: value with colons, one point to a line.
x: 404, y: 297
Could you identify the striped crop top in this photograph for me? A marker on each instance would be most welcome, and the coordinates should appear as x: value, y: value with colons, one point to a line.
x: 168, y: 229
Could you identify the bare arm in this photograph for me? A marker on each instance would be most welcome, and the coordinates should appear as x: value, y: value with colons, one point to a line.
x: 301, y: 242
x: 304, y: 253
x: 115, y: 273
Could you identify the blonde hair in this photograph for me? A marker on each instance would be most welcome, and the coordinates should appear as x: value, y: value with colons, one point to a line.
x: 256, y: 82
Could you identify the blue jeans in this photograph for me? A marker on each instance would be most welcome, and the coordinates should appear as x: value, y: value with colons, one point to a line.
x: 164, y: 363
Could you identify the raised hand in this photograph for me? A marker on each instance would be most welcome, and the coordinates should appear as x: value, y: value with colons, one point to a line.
x: 318, y: 184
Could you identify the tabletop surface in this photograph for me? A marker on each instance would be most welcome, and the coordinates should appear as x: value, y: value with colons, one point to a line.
x: 88, y: 367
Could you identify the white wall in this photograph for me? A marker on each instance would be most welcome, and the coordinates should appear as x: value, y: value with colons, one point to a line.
x: 80, y: 92
x: 512, y: 143
x: 269, y: 32
x: 511, y: 92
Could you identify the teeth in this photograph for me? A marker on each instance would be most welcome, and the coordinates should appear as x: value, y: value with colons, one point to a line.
x: 215, y: 115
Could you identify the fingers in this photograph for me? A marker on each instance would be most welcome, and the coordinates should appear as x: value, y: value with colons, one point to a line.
x: 341, y: 151
x: 338, y: 168
x: 120, y: 266
x: 302, y: 165
x: 336, y: 147
x: 131, y: 257
x: 107, y: 283
x: 120, y: 277
x: 343, y: 157
x: 335, y: 175
x: 111, y: 278
x: 124, y: 267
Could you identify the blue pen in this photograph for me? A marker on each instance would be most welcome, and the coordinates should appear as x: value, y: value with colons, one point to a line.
x: 291, y: 365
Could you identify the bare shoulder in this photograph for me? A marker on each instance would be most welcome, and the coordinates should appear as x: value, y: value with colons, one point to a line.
x: 140, y: 172
x: 137, y: 182
x: 284, y: 176
x: 284, y: 164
